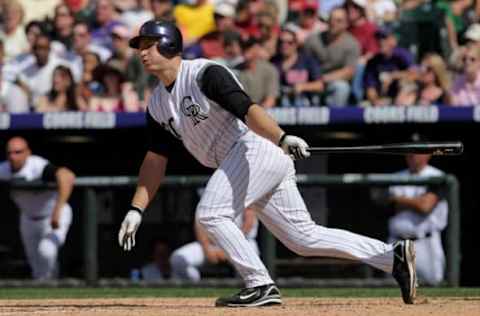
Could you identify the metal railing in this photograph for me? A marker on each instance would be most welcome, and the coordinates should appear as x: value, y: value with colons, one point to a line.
x: 90, y: 233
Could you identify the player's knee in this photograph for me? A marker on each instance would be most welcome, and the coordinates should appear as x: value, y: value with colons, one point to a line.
x: 47, y: 249
x: 208, y: 218
x: 178, y: 261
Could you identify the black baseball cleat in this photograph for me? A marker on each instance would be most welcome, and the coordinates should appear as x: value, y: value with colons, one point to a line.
x: 263, y: 295
x: 404, y: 269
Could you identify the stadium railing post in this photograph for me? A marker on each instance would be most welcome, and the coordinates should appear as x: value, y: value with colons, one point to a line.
x: 90, y: 235
x: 453, y: 238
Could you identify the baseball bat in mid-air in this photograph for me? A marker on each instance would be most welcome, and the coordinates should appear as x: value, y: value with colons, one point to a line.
x: 433, y: 148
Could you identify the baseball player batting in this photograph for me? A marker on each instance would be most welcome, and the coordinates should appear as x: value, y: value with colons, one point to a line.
x: 201, y: 104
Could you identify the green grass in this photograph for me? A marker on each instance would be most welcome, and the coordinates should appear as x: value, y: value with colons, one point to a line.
x: 41, y: 293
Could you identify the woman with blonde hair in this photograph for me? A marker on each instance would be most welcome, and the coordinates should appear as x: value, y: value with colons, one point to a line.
x: 434, y: 81
x: 430, y: 85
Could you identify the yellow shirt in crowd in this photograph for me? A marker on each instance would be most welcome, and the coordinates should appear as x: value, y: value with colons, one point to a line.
x: 194, y: 21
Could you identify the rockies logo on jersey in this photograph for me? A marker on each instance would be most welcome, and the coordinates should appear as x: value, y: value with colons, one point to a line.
x: 192, y: 110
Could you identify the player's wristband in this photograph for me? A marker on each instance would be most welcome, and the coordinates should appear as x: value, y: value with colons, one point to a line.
x: 282, y: 138
x: 136, y: 208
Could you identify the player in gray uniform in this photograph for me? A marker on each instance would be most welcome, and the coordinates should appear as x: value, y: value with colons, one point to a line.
x: 45, y: 215
x: 202, y: 105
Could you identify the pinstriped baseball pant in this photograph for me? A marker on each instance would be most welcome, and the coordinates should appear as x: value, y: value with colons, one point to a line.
x: 257, y: 173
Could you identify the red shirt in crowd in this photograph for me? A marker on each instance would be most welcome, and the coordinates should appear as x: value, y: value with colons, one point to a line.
x: 365, y: 35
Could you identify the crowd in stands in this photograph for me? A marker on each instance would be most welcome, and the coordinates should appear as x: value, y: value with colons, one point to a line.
x: 73, y: 55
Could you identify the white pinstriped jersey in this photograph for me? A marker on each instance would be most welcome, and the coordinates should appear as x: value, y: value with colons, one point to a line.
x: 207, y: 130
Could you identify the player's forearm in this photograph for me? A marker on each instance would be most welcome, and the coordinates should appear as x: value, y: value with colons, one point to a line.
x: 422, y: 204
x: 345, y: 73
x: 65, y: 181
x: 150, y: 176
x: 263, y: 124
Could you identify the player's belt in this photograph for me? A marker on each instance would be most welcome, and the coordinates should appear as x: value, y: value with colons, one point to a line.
x: 427, y: 235
x: 38, y: 218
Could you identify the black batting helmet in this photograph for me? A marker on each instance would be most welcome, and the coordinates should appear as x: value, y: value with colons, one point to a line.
x: 170, y: 42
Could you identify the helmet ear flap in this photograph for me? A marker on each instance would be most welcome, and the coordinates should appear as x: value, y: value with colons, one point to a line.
x: 159, y: 46
x: 166, y: 47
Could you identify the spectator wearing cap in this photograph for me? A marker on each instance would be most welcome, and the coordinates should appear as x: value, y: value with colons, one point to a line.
x: 466, y: 89
x: 211, y: 44
x: 386, y: 69
x: 337, y: 52
x: 308, y: 21
x: 194, y: 19
x: 12, y: 32
x: 259, y: 77
x: 105, y: 19
x: 472, y: 35
x: 136, y: 16
x: 125, y: 59
x: 232, y: 48
x: 364, y: 32
x: 300, y: 75
x: 12, y: 97
x: 37, y: 77
x: 472, y: 38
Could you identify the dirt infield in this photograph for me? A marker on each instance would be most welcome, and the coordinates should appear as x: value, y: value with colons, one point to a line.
x: 203, y: 306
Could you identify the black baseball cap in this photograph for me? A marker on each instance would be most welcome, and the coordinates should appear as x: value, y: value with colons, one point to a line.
x: 249, y: 42
x: 384, y: 32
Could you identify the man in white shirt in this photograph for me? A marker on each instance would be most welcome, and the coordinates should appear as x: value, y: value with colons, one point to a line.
x: 45, y: 214
x: 37, y: 76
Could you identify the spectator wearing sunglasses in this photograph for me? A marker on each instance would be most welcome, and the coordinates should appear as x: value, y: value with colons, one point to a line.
x: 466, y: 89
x: 300, y: 75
